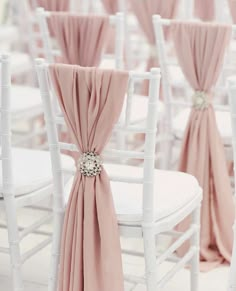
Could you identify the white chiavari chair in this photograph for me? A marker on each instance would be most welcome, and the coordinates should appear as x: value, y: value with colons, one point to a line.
x: 177, y: 108
x: 25, y: 181
x: 149, y: 206
x: 232, y: 99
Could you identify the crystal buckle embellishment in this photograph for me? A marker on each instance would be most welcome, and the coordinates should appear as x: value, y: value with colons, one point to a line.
x: 200, y: 100
x: 90, y: 164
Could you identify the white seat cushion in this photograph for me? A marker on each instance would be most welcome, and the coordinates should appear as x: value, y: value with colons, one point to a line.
x: 25, y: 100
x: 223, y: 122
x: 173, y: 190
x: 32, y: 170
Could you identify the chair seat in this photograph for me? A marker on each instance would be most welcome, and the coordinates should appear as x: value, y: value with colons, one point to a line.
x: 223, y: 122
x: 32, y: 170
x: 25, y: 101
x: 21, y: 63
x: 173, y: 191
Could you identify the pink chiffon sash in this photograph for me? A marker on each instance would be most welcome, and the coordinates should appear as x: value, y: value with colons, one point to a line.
x: 205, y: 9
x: 81, y: 38
x: 91, y: 100
x: 200, y: 49
x: 111, y: 6
x: 232, y: 8
x: 54, y: 5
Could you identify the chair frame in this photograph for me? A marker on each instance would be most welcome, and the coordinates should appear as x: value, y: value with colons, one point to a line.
x: 10, y: 202
x: 232, y: 94
x: 149, y: 228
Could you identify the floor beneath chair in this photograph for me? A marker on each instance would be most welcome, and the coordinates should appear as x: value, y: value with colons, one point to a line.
x: 36, y: 278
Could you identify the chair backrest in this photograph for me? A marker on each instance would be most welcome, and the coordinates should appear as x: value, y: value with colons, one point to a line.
x: 5, y: 127
x: 149, y: 129
x: 167, y: 61
x: 116, y: 21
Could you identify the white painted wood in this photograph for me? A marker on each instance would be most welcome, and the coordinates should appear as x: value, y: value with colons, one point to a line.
x: 232, y: 99
x: 7, y: 177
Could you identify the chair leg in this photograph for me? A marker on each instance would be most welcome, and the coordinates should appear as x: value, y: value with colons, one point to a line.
x: 14, y: 242
x: 150, y: 259
x: 232, y: 277
x: 195, y: 242
x: 55, y: 252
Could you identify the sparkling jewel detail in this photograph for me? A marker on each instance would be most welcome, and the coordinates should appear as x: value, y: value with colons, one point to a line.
x: 200, y: 100
x: 90, y: 164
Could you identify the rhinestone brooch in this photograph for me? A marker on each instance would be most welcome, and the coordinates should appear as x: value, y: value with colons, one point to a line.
x: 200, y: 100
x: 90, y: 164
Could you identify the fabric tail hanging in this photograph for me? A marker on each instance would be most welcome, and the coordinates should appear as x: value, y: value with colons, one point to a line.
x: 200, y: 48
x: 91, y: 100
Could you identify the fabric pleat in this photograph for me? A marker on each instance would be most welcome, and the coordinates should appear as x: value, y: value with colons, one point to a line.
x: 205, y: 9
x: 82, y: 38
x: 54, y: 5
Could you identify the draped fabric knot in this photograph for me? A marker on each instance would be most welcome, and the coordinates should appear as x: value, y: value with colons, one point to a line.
x: 200, y: 100
x: 90, y: 164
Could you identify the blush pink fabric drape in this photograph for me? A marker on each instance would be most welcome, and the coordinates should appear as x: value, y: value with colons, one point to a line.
x: 91, y: 100
x: 205, y: 9
x: 111, y: 6
x: 200, y: 49
x: 54, y: 5
x: 144, y: 11
x: 81, y: 38
x: 232, y: 8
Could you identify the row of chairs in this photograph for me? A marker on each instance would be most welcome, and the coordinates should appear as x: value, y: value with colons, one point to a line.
x: 165, y: 83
